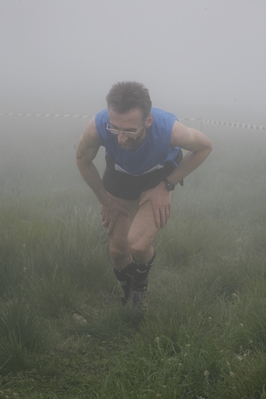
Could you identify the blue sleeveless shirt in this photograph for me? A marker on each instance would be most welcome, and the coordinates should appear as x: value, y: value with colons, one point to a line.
x: 154, y: 152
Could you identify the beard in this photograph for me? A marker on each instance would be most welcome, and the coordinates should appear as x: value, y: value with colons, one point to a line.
x: 131, y: 144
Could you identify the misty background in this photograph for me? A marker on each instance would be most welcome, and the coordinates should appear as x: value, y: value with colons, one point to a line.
x: 197, y: 58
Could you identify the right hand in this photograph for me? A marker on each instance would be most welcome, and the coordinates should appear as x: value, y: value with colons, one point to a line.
x: 110, y: 212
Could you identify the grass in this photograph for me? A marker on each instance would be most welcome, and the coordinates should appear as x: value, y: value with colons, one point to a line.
x: 63, y: 332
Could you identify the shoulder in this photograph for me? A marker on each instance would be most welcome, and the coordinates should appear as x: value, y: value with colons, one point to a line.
x: 188, y: 138
x: 101, y: 117
x: 95, y: 131
x: 162, y: 124
x: 161, y: 116
x: 90, y: 137
x: 89, y: 143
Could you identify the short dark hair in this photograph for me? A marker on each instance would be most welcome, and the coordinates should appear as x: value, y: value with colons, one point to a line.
x: 125, y: 96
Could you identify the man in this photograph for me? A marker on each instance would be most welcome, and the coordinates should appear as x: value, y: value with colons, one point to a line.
x: 143, y: 165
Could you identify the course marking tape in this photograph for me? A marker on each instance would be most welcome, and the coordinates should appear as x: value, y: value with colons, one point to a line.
x: 209, y: 121
x: 232, y: 124
x: 44, y: 115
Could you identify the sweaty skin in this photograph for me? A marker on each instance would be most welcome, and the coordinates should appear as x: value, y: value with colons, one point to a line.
x: 133, y: 224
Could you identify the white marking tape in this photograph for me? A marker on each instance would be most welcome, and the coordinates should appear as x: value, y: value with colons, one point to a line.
x: 190, y: 119
x: 232, y: 124
x: 44, y: 115
x: 213, y: 122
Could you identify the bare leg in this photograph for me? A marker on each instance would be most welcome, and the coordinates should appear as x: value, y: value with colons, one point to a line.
x: 121, y: 257
x: 142, y: 232
x: 132, y: 237
x: 118, y: 243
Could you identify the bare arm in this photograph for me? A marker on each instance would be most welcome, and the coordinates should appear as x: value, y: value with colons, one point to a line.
x: 199, y: 147
x: 87, y: 150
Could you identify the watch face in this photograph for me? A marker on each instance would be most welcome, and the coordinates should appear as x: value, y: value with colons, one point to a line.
x: 170, y: 186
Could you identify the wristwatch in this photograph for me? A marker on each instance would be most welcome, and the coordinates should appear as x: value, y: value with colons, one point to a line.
x: 170, y: 186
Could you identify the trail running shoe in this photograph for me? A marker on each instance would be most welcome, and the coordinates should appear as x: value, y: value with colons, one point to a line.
x: 126, y: 288
x: 138, y: 299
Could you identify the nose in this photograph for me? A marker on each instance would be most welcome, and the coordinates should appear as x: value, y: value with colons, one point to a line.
x: 122, y: 138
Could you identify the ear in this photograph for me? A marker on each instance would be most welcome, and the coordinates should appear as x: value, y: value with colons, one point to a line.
x: 149, y: 121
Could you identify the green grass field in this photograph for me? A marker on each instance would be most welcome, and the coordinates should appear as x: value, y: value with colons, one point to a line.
x: 63, y: 332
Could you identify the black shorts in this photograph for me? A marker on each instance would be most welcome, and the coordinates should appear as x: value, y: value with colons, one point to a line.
x: 125, y: 186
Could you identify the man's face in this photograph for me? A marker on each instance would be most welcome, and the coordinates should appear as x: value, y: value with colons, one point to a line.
x: 131, y: 121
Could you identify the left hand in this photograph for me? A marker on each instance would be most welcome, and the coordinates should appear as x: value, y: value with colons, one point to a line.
x: 160, y: 199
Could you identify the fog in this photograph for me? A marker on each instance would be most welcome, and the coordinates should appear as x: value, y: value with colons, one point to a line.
x: 197, y: 58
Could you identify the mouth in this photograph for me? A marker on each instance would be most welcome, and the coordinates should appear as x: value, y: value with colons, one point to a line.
x: 127, y: 144
x: 127, y: 147
x: 131, y: 144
